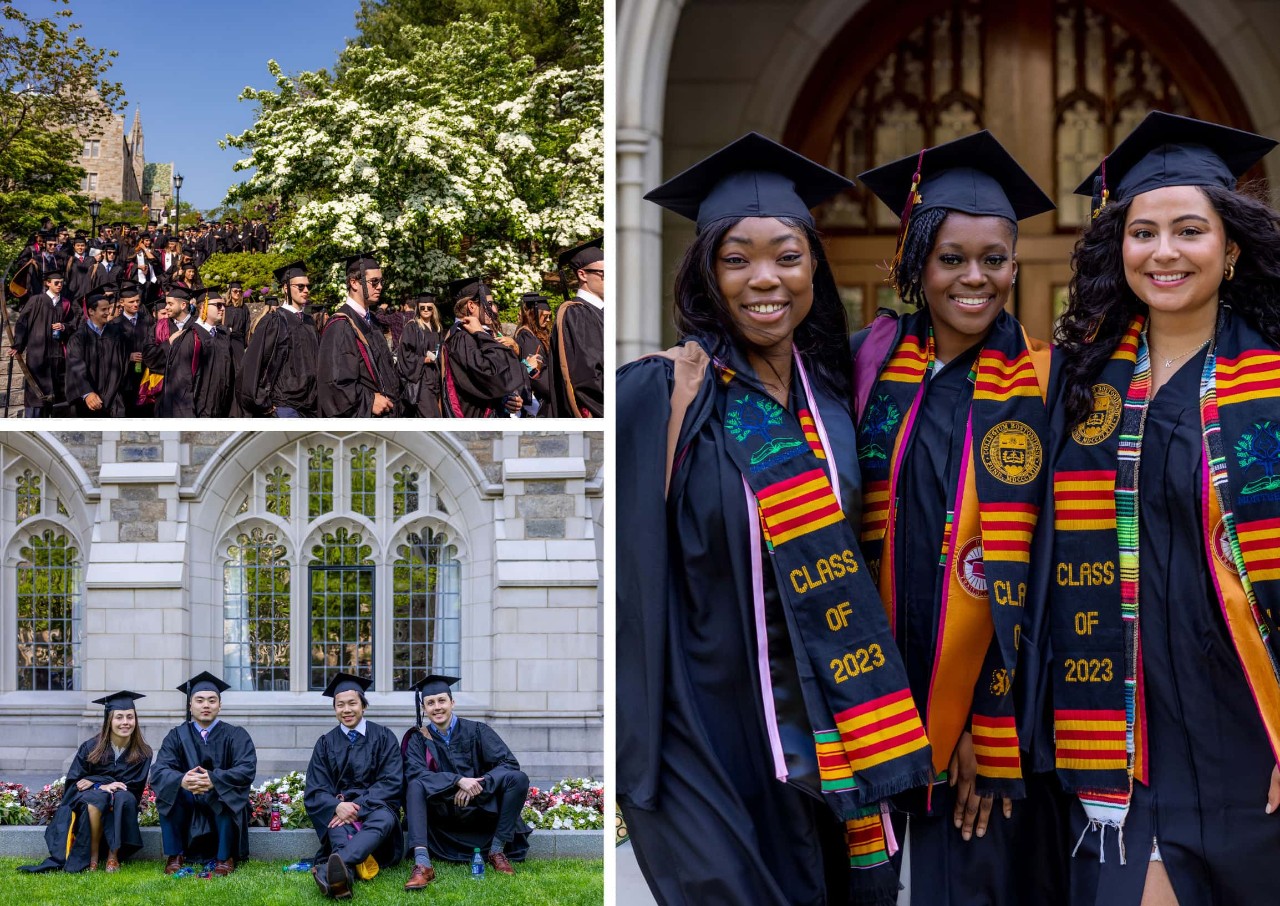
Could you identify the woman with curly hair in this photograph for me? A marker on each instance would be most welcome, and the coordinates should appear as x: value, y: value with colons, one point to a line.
x: 756, y: 670
x: 1166, y: 697
x: 533, y: 334
x: 104, y: 785
x: 950, y: 403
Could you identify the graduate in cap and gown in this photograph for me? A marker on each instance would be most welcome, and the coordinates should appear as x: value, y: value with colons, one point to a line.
x: 201, y: 778
x: 354, y: 785
x: 755, y: 664
x: 176, y: 354
x: 236, y: 319
x: 357, y: 377
x: 1166, y: 440
x: 277, y: 377
x: 577, y: 339
x: 418, y: 359
x: 215, y: 391
x: 951, y: 432
x: 534, y: 338
x: 99, y: 808
x: 482, y: 374
x: 135, y: 329
x: 464, y: 790
x: 96, y: 361
x: 44, y: 325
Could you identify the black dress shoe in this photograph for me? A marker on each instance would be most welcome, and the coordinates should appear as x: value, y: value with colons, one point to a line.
x: 339, y: 880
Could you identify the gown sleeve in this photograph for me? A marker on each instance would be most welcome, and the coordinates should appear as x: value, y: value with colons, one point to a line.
x: 495, y: 759
x: 387, y: 771
x: 320, y: 798
x: 233, y: 777
x: 433, y: 782
x: 168, y: 770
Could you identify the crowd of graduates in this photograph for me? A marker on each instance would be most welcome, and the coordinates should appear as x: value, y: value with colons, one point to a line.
x: 122, y: 325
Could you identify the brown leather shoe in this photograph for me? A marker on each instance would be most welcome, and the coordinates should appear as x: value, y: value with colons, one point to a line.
x: 422, y: 876
x: 315, y: 873
x: 500, y: 863
x: 222, y: 869
x: 339, y: 879
x: 113, y: 864
x: 172, y: 864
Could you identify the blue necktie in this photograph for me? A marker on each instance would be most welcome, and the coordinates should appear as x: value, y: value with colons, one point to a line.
x: 352, y: 735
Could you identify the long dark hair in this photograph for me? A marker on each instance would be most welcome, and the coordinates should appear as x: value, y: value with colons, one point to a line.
x: 822, y: 339
x: 1102, y: 304
x: 531, y: 318
x: 135, y: 750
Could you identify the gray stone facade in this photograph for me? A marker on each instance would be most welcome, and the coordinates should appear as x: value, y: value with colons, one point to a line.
x: 152, y: 515
x: 114, y: 160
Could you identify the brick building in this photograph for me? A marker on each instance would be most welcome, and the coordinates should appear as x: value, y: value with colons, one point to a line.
x: 116, y: 167
x: 135, y: 560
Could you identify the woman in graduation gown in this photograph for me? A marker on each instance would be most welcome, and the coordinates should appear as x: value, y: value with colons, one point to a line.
x: 1167, y: 705
x: 103, y: 788
x: 416, y: 360
x: 534, y: 339
x: 952, y: 423
x: 761, y: 702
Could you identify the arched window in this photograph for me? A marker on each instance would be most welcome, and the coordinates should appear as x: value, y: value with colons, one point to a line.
x: 256, y: 604
x: 48, y: 599
x: 427, y: 600
x: 341, y: 579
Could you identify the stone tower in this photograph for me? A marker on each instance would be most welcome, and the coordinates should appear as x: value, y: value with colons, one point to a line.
x: 135, y: 148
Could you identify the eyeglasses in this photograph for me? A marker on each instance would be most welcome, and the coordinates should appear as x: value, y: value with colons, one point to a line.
x: 217, y: 304
x: 374, y: 281
x: 301, y: 287
x: 593, y: 270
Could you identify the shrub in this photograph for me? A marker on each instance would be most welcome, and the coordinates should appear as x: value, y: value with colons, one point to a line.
x: 46, y: 802
x: 148, y: 811
x: 15, y: 805
x: 287, y: 791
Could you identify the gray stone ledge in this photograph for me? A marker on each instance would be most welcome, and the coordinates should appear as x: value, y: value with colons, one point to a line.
x: 276, y: 846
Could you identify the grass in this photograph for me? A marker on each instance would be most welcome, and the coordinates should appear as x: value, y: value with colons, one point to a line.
x: 539, y: 882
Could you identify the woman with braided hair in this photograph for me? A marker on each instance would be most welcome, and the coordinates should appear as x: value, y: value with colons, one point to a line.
x: 1166, y: 441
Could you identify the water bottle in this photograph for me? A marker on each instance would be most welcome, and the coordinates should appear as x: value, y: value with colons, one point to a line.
x: 477, y: 866
x: 275, y: 814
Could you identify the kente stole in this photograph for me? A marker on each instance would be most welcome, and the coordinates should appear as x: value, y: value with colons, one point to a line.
x: 1100, y: 725
x: 868, y: 736
x: 987, y: 541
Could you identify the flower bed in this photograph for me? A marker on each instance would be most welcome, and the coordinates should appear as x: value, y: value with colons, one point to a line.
x: 572, y: 804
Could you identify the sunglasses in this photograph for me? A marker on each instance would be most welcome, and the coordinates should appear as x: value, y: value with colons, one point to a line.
x: 592, y: 270
x: 217, y: 304
x: 375, y: 281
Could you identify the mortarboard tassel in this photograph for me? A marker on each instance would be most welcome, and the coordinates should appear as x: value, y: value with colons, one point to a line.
x: 913, y: 198
x: 1102, y: 202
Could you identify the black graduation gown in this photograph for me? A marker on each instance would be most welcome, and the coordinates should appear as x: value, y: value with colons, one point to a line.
x: 351, y: 372
x: 232, y: 762
x: 45, y: 354
x: 236, y: 320
x: 419, y: 380
x: 101, y: 277
x: 473, y: 750
x: 134, y: 336
x: 1210, y: 762
x: 479, y: 372
x: 279, y: 367
x: 78, y: 280
x: 96, y: 364
x: 544, y: 382
x: 179, y: 361
x: 369, y: 773
x: 74, y: 802
x: 577, y: 341
x: 216, y: 377
x: 708, y: 820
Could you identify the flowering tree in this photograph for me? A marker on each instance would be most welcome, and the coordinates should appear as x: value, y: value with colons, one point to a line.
x: 465, y: 158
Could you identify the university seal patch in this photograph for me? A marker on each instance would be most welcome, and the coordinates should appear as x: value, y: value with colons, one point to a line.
x: 1107, y: 407
x: 1012, y: 453
x: 969, y: 568
x: 1222, y: 547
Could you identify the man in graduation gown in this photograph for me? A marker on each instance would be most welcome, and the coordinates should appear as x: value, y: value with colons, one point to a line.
x: 44, y: 326
x: 106, y: 271
x: 177, y: 358
x: 464, y: 789
x: 483, y: 377
x: 78, y: 268
x: 135, y: 330
x: 277, y: 377
x: 357, y: 378
x: 577, y: 340
x: 201, y: 779
x: 96, y: 359
x: 215, y: 389
x: 354, y: 784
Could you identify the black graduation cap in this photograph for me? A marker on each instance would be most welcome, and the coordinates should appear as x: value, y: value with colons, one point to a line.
x: 535, y: 300
x: 580, y: 256
x: 751, y: 177
x: 129, y: 290
x: 468, y: 287
x: 203, y: 681
x: 81, y: 236
x: 346, y: 682
x: 178, y: 292
x: 284, y: 274
x: 432, y: 684
x: 91, y: 299
x: 361, y: 262
x: 272, y: 301
x: 119, y: 701
x: 973, y: 175
x: 235, y: 284
x: 1170, y: 150
x: 424, y: 299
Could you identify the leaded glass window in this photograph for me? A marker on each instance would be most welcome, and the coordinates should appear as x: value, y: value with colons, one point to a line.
x: 255, y: 588
x: 48, y: 599
x: 404, y: 497
x: 341, y: 596
x: 28, y: 495
x: 279, y: 491
x: 427, y: 608
x: 364, y: 481
x: 319, y: 481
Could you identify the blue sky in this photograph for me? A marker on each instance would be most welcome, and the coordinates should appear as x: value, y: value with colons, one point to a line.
x: 185, y: 63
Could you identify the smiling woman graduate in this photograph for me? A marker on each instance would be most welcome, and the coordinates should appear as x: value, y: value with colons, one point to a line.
x: 104, y: 785
x: 951, y: 437
x: 761, y: 701
x: 1167, y: 710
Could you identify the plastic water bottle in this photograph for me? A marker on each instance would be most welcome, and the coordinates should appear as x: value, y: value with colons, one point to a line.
x: 275, y: 814
x: 477, y: 866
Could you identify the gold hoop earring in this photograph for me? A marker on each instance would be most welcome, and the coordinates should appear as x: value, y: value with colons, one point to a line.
x: 1230, y: 272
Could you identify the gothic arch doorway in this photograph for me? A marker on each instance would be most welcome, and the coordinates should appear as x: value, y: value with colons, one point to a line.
x: 1057, y: 81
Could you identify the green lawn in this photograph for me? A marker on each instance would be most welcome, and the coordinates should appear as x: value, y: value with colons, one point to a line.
x: 571, y: 882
